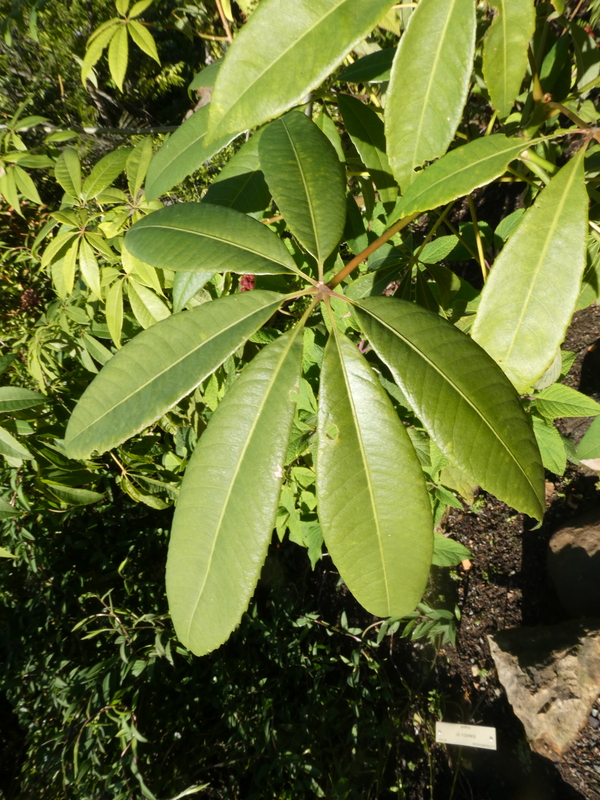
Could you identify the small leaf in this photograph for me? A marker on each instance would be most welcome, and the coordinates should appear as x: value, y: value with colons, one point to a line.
x: 186, y: 285
x: 68, y: 172
x: 529, y: 298
x: 373, y: 68
x: 7, y: 511
x: 25, y: 185
x: 114, y: 311
x: 139, y: 8
x: 448, y: 552
x: 259, y: 81
x: 208, y: 238
x: 373, y: 504
x: 137, y: 165
x: 8, y: 187
x: 118, y: 55
x: 586, y: 54
x: 72, y: 496
x: 229, y: 498
x: 4, y: 553
x: 429, y: 84
x: 505, y: 52
x: 89, y: 268
x: 147, y: 307
x: 143, y: 38
x: 12, y: 398
x: 182, y: 154
x: 552, y: 449
x: 122, y: 6
x: 10, y: 447
x: 365, y: 127
x: 589, y: 446
x: 562, y: 401
x: 160, y: 366
x: 463, y: 399
x: 96, y: 45
x: 306, y: 180
x: 105, y: 172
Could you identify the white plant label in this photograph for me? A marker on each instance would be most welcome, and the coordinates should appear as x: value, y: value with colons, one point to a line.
x: 465, y: 735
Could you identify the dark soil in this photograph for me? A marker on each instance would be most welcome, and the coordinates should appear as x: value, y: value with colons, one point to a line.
x: 507, y: 586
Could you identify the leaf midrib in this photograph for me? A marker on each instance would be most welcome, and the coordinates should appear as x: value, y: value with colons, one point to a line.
x: 259, y: 410
x: 306, y: 192
x: 174, y: 364
x: 216, y: 239
x: 457, y: 390
x: 369, y: 480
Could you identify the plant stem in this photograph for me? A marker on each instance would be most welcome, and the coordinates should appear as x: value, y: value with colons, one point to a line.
x: 351, y: 265
x: 460, y: 237
x: 490, y: 126
x: 224, y: 22
x: 482, y: 264
x: 437, y: 224
x: 568, y: 113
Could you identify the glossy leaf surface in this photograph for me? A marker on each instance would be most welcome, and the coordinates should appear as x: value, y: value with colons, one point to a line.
x: 372, y: 68
x: 461, y: 396
x: 160, y: 366
x: 458, y: 173
x: 429, y: 84
x: 307, y: 181
x: 365, y: 128
x: 533, y: 286
x: 229, y: 498
x: 207, y: 238
x: 373, y: 504
x: 183, y: 153
x: 505, y: 52
x: 258, y: 81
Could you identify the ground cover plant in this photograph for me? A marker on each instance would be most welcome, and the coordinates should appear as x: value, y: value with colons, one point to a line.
x: 332, y: 341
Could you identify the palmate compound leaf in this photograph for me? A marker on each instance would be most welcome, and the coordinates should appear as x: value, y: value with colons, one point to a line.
x: 208, y: 238
x: 229, y: 498
x: 307, y: 181
x: 160, y: 366
x: 281, y: 55
x: 429, y: 84
x: 458, y: 173
x: 373, y: 505
x: 462, y: 398
x: 529, y: 298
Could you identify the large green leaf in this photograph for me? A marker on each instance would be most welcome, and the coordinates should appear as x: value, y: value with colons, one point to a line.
x: 373, y: 504
x: 307, y: 181
x: 461, y: 396
x: 505, y: 51
x: 13, y: 398
x: 533, y: 286
x: 365, y: 127
x: 458, y: 173
x: 241, y: 183
x: 183, y: 153
x: 279, y: 56
x: 229, y: 497
x: 207, y: 238
x: 160, y: 366
x: 429, y: 84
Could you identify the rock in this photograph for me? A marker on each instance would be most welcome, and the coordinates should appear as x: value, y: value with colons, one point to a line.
x: 574, y: 565
x: 551, y: 675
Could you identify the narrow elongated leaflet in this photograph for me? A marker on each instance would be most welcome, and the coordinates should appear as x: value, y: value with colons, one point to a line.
x: 365, y: 127
x: 372, y: 68
x: 307, y: 181
x: 429, y: 84
x: 11, y: 447
x: 241, y: 183
x: 589, y: 446
x: 373, y: 505
x: 304, y: 45
x: 183, y: 153
x: 458, y: 173
x: 68, y: 172
x: 160, y: 366
x: 104, y: 172
x: 229, y: 497
x: 207, y: 238
x: 13, y: 398
x: 505, y: 52
x: 462, y: 398
x: 532, y: 289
